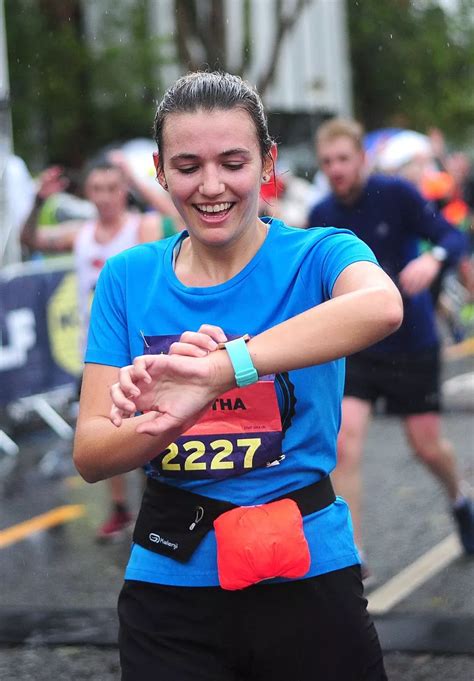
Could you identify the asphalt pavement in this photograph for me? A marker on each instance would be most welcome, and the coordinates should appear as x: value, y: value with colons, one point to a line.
x: 59, y: 587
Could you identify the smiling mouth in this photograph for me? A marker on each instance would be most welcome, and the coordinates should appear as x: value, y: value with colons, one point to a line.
x: 213, y: 211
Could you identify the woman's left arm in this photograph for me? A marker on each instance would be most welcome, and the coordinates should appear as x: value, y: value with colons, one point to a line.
x: 366, y: 306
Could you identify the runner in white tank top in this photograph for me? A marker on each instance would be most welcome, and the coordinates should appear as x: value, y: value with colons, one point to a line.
x: 114, y: 230
x: 90, y: 256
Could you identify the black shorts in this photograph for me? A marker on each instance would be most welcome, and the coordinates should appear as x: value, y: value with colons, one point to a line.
x: 316, y: 628
x: 409, y: 383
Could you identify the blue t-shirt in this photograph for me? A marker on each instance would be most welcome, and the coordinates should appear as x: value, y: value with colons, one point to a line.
x: 392, y: 217
x: 139, y: 302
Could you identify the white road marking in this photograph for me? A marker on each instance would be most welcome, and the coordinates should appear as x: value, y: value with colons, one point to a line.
x: 413, y: 576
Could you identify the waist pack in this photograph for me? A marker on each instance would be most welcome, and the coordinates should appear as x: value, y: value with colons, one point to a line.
x: 173, y: 522
x: 261, y: 542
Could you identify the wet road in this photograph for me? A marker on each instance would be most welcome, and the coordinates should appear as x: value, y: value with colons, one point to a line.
x: 59, y: 587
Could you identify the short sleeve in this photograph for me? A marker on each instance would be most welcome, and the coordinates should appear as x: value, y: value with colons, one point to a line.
x: 108, y: 341
x: 335, y: 250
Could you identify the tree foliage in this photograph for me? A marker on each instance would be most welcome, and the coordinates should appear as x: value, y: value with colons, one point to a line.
x: 413, y: 64
x: 72, y: 95
x: 73, y: 92
x: 198, y: 47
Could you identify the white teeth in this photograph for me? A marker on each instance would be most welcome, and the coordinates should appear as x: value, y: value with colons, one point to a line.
x: 214, y: 208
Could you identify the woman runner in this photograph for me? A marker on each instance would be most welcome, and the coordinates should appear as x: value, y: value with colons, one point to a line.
x: 243, y: 564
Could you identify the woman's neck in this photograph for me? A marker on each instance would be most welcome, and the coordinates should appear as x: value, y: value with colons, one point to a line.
x: 200, y: 265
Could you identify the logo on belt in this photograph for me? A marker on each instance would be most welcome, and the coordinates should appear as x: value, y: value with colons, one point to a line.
x: 156, y: 539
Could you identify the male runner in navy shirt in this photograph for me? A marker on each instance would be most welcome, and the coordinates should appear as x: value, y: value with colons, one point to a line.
x: 391, y: 216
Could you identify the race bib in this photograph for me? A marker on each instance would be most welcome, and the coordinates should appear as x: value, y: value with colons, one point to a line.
x: 241, y: 431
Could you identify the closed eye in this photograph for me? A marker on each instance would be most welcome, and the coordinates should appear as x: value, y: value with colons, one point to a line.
x: 188, y: 170
x: 233, y: 166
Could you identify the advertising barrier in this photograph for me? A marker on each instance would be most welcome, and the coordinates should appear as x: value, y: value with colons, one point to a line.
x: 39, y: 328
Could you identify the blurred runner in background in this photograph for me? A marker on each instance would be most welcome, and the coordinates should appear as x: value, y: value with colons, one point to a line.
x: 115, y: 229
x: 441, y: 178
x: 391, y: 216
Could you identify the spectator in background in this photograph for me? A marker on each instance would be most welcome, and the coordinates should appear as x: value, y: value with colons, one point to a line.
x: 391, y: 216
x: 19, y: 194
x: 445, y: 190
x: 20, y: 189
x: 320, y: 189
x: 151, y: 197
x: 115, y: 229
x: 422, y: 160
x: 459, y: 166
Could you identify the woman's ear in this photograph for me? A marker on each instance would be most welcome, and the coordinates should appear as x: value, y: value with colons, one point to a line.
x: 270, y: 160
x: 160, y: 176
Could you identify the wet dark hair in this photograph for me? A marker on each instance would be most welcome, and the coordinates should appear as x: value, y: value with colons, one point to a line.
x: 210, y: 90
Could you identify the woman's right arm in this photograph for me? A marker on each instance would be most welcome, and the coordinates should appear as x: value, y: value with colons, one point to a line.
x: 100, y: 449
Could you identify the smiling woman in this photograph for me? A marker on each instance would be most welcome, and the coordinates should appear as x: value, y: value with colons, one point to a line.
x: 213, y: 168
x: 237, y: 433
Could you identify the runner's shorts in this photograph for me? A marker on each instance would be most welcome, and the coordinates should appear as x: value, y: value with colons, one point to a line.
x: 315, y: 628
x: 410, y: 383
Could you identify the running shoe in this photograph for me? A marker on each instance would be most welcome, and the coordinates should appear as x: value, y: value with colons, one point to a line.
x: 115, y: 526
x: 464, y: 516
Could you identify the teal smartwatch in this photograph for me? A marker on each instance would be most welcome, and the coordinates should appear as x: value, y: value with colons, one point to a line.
x: 245, y: 372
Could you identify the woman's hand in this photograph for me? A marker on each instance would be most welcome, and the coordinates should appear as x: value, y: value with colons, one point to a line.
x: 178, y: 387
x: 198, y: 343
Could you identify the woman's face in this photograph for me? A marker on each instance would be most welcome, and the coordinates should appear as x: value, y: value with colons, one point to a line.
x: 213, y: 168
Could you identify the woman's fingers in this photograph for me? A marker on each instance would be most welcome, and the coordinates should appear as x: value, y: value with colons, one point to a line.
x: 139, y: 370
x: 187, y: 349
x: 116, y: 416
x: 215, y: 332
x: 126, y: 383
x: 122, y: 406
x: 198, y: 343
x: 200, y: 340
x: 159, y: 424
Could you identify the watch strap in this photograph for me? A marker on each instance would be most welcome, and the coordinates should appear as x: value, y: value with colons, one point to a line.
x: 244, y: 370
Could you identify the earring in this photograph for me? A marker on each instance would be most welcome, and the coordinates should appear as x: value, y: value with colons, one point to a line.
x: 265, y: 178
